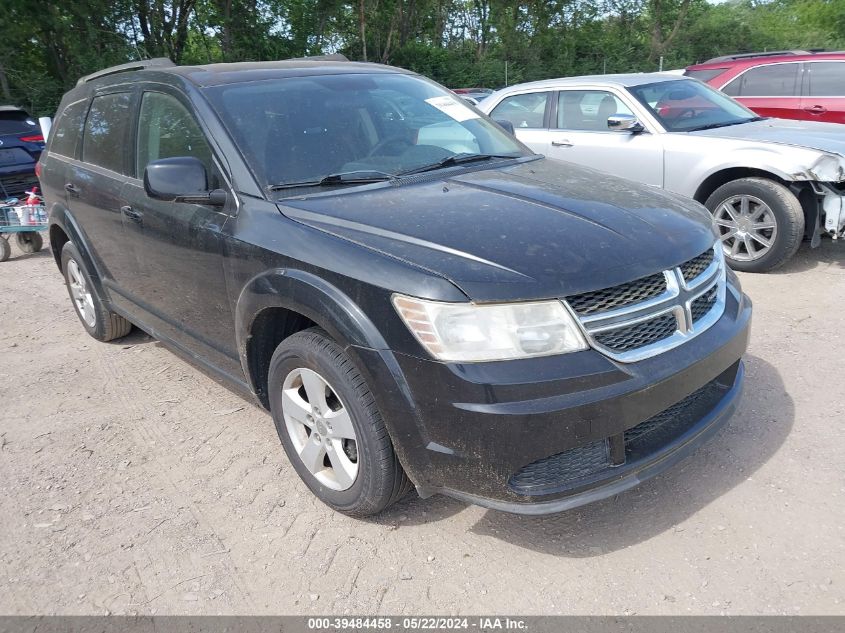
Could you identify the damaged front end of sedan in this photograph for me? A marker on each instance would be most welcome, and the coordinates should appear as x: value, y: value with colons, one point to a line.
x: 826, y: 208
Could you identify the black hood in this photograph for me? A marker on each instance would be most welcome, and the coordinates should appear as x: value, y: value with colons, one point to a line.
x: 531, y: 230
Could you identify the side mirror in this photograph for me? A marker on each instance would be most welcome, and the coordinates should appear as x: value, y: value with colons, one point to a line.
x: 624, y: 123
x: 180, y: 179
x: 506, y: 125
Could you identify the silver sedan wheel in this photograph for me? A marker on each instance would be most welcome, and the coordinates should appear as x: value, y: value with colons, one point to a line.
x: 82, y: 298
x: 320, y: 429
x: 747, y: 227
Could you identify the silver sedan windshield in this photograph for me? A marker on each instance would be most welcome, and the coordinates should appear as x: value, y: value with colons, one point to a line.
x: 686, y: 106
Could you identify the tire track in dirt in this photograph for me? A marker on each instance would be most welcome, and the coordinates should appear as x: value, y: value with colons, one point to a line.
x: 149, y: 437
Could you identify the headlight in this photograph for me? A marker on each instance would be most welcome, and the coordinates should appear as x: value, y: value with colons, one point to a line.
x: 468, y: 332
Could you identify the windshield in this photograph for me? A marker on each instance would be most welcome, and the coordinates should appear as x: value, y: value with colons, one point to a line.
x: 363, y: 127
x: 686, y: 105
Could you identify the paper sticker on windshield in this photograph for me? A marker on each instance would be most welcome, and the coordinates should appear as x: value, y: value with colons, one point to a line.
x: 451, y: 107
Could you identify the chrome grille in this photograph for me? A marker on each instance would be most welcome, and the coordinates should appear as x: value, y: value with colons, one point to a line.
x: 704, y: 303
x: 638, y: 335
x: 650, y: 315
x: 697, y: 265
x: 617, y: 296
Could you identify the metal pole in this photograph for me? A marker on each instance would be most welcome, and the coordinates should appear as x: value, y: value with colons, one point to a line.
x: 506, y: 73
x: 661, y: 63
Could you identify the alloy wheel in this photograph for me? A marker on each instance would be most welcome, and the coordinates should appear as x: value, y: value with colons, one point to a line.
x: 747, y: 227
x: 82, y: 298
x: 320, y: 428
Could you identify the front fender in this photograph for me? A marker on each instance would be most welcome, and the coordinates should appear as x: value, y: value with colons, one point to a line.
x: 687, y: 166
x: 309, y: 295
x: 334, y: 311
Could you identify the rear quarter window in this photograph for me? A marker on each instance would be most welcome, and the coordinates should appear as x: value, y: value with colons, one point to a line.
x: 827, y: 79
x: 68, y: 129
x: 523, y: 111
x: 106, y: 136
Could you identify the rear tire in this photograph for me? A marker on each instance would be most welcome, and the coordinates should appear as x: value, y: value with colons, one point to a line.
x: 5, y: 249
x: 100, y: 322
x: 30, y: 241
x: 770, y: 230
x: 314, y: 391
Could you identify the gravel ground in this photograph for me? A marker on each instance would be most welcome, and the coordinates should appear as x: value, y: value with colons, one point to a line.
x: 131, y: 482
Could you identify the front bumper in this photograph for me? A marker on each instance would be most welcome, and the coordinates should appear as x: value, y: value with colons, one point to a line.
x: 548, y: 434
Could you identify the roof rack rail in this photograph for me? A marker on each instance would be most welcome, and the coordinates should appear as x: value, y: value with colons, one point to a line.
x: 333, y: 57
x: 730, y: 58
x: 156, y: 62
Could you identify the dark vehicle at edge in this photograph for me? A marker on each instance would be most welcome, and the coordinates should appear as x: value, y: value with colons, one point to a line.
x: 418, y: 299
x: 21, y: 143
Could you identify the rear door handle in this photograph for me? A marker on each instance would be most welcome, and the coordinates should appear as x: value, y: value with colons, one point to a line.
x: 816, y: 109
x: 72, y: 188
x: 131, y: 213
x: 563, y: 143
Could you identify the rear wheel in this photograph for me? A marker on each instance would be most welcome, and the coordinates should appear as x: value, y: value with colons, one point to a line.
x: 96, y: 318
x: 30, y: 241
x: 330, y: 427
x: 760, y: 223
x: 5, y: 249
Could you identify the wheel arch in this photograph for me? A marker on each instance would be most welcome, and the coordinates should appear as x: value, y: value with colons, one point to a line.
x: 64, y: 229
x: 281, y: 302
x: 724, y: 176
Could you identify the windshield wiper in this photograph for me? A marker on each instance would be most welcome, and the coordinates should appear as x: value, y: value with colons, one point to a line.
x: 455, y: 159
x: 712, y: 126
x: 358, y: 177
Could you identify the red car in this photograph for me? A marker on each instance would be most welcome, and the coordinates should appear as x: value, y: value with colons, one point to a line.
x: 806, y: 85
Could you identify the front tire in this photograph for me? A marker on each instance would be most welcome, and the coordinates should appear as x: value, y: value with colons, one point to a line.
x: 96, y: 318
x: 760, y: 223
x: 330, y: 427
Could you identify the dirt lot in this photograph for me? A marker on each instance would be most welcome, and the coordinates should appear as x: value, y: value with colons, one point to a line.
x: 130, y: 482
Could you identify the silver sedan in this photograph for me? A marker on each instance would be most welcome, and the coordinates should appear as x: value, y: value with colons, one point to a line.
x: 767, y: 182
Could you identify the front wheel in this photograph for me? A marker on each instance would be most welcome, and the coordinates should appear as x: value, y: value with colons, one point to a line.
x: 330, y: 427
x: 760, y: 223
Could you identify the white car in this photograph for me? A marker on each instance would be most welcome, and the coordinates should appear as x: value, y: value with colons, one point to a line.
x: 767, y: 182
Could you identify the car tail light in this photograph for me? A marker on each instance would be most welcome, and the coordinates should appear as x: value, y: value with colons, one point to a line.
x: 38, y: 170
x: 35, y: 138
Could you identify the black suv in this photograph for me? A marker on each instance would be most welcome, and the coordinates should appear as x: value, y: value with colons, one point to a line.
x: 418, y: 299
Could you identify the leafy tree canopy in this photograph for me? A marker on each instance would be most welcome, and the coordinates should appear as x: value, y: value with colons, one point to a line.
x: 44, y: 49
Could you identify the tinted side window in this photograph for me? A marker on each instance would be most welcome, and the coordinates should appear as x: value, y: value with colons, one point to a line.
x: 68, y: 129
x: 775, y: 80
x: 522, y: 111
x: 587, y: 109
x: 104, y: 140
x: 167, y: 129
x: 827, y: 79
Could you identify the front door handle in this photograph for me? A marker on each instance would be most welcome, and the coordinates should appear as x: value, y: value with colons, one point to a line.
x: 563, y: 143
x: 816, y: 109
x: 72, y: 188
x: 132, y: 214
